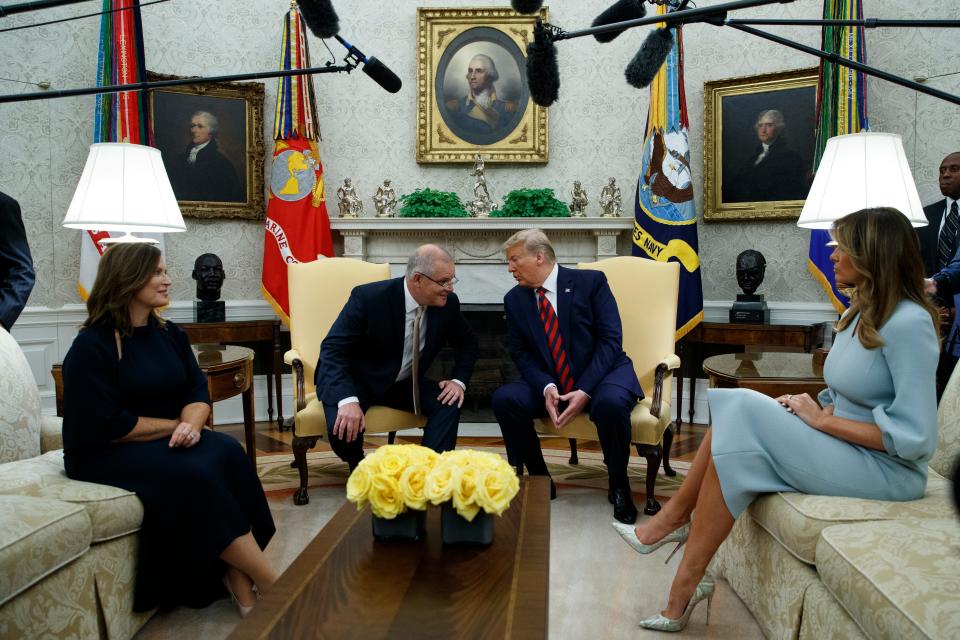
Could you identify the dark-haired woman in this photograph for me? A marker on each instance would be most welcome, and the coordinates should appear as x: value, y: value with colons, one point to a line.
x: 870, y: 436
x: 135, y: 402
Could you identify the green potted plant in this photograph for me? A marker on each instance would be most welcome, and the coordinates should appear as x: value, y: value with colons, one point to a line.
x: 430, y: 203
x: 531, y: 203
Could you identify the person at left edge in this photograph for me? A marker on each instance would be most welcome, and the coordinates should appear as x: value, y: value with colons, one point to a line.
x: 367, y: 357
x: 16, y: 265
x: 134, y: 405
x: 565, y: 336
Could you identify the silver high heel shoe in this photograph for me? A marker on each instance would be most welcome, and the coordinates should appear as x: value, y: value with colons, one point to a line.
x: 629, y: 536
x: 703, y: 591
x: 243, y: 609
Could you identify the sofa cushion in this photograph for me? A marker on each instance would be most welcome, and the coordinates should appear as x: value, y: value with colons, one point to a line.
x: 113, y: 512
x: 948, y: 413
x: 37, y: 537
x: 19, y: 403
x: 795, y: 520
x: 896, y: 579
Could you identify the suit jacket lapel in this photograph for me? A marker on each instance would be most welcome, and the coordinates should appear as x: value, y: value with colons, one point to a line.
x: 433, y: 318
x: 398, y: 313
x: 565, y: 291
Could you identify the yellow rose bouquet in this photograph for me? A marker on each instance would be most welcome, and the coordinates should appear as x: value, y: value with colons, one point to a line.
x: 392, y: 479
x: 472, y: 481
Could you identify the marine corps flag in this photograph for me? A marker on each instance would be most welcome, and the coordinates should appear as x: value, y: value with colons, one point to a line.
x: 665, y: 226
x: 841, y: 109
x: 118, y: 117
x: 297, y: 227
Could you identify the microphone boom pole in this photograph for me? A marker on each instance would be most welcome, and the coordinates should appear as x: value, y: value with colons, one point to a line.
x: 24, y: 7
x: 159, y: 84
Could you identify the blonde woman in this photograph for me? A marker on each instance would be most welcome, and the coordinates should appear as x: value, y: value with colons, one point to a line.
x: 870, y: 435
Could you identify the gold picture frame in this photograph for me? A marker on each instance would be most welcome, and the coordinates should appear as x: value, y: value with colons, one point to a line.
x: 743, y: 178
x: 224, y: 179
x: 450, y: 128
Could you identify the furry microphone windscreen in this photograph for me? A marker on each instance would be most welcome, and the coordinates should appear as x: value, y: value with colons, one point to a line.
x: 618, y: 12
x: 526, y: 6
x: 320, y: 17
x: 652, y: 54
x: 543, y: 74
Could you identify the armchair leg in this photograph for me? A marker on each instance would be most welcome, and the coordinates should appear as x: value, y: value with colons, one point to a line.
x: 573, y: 451
x: 667, y: 444
x: 653, y: 454
x: 300, y: 446
x: 391, y: 437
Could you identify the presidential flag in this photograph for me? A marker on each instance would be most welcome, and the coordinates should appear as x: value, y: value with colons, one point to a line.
x: 841, y: 109
x: 118, y: 117
x: 665, y: 224
x: 297, y: 226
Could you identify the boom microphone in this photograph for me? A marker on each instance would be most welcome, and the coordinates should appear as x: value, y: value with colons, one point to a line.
x: 320, y: 17
x: 373, y: 67
x: 619, y: 12
x: 526, y: 6
x: 653, y: 53
x: 543, y: 75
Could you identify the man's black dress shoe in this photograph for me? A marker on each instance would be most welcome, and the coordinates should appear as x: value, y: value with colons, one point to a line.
x: 623, y: 507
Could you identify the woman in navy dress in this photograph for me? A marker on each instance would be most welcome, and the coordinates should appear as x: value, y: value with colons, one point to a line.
x: 870, y: 436
x: 135, y: 402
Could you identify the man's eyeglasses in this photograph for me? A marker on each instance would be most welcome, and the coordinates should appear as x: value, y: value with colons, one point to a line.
x: 446, y: 284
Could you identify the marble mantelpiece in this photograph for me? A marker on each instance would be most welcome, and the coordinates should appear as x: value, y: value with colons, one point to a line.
x: 475, y: 245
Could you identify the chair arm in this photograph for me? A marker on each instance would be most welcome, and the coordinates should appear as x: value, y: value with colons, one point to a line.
x: 51, y: 433
x: 669, y: 363
x: 292, y: 358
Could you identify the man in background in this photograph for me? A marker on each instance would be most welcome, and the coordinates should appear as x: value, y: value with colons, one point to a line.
x: 379, y: 349
x: 16, y: 265
x: 565, y: 336
x: 939, y: 248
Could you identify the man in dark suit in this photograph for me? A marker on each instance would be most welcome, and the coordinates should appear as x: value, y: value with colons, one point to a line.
x: 368, y: 357
x: 16, y: 265
x: 939, y: 245
x: 565, y: 337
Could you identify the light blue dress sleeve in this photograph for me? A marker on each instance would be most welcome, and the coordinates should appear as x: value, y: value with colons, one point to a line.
x: 825, y: 398
x: 908, y: 421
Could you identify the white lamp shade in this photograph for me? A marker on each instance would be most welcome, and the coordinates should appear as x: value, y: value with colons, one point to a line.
x: 858, y: 171
x: 124, y: 187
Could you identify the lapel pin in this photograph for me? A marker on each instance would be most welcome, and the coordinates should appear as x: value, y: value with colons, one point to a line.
x: 566, y: 290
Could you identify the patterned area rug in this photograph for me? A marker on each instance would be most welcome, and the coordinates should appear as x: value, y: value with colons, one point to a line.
x: 326, y: 469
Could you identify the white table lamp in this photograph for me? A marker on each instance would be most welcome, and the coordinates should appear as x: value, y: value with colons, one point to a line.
x: 124, y: 187
x: 858, y: 171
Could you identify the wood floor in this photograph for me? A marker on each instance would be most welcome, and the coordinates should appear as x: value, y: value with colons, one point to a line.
x: 270, y: 440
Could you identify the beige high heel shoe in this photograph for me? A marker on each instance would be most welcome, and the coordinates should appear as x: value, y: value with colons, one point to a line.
x: 243, y: 609
x: 629, y: 535
x: 704, y: 591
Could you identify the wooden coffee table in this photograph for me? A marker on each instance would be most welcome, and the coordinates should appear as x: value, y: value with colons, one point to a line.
x: 772, y: 373
x: 347, y: 585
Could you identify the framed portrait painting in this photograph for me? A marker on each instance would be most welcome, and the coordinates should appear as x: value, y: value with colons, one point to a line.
x: 472, y: 94
x: 211, y: 138
x: 759, y: 138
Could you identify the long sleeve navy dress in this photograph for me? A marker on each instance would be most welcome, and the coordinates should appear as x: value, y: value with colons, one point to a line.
x: 196, y: 500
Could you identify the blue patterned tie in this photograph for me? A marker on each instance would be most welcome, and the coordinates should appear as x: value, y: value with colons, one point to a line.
x: 947, y: 245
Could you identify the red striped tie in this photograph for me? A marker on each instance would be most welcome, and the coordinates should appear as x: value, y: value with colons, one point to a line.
x: 551, y: 326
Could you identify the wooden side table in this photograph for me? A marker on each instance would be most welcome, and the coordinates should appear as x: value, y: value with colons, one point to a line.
x: 771, y: 373
x: 229, y: 372
x: 791, y: 336
x: 246, y: 332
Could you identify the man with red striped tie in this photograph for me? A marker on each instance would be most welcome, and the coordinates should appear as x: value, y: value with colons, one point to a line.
x: 565, y: 337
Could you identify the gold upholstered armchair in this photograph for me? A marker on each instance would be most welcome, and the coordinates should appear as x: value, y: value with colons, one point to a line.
x: 318, y: 291
x: 646, y: 292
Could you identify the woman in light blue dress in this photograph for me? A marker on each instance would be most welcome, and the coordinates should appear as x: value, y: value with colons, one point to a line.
x: 870, y: 436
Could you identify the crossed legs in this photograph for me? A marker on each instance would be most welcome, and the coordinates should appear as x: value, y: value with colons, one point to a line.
x: 701, y: 491
x: 247, y: 567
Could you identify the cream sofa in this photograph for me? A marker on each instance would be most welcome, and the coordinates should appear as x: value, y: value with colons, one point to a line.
x: 819, y: 567
x: 68, y: 549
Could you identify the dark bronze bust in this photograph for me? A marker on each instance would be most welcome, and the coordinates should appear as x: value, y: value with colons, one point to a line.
x: 208, y: 272
x: 751, y: 266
